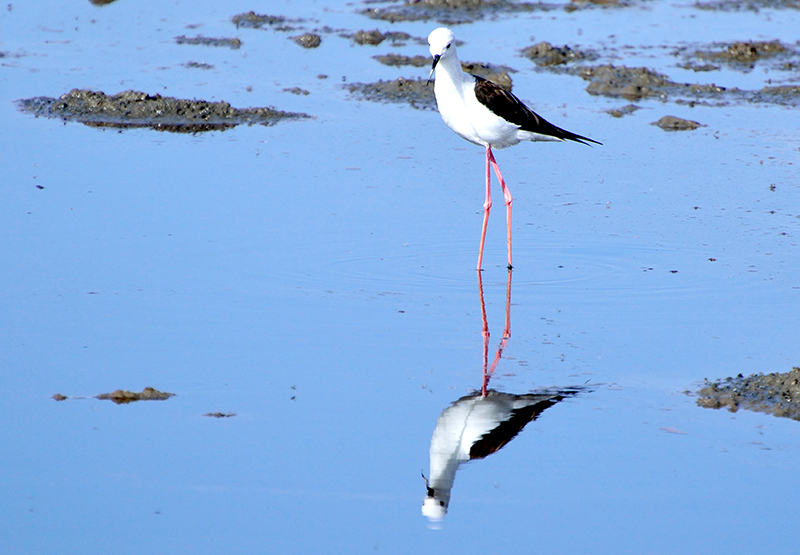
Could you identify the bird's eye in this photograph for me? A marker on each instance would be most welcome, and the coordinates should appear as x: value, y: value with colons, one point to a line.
x: 448, y: 46
x: 441, y: 503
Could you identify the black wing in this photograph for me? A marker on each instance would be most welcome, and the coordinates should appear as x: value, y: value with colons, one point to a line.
x: 511, y: 108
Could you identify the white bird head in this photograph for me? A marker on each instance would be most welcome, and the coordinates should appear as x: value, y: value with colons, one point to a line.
x: 434, y: 509
x: 442, y: 45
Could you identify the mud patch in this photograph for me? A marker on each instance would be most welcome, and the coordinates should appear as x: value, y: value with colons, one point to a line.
x: 749, y: 5
x: 132, y: 109
x: 631, y: 83
x: 375, y: 37
x: 407, y: 91
x: 233, y: 44
x: 252, y: 20
x: 740, y: 56
x: 123, y: 397
x: 672, y: 123
x: 639, y: 82
x: 418, y: 92
x: 777, y: 394
x: 545, y: 54
x: 397, y: 60
x: 454, y: 11
x: 497, y: 74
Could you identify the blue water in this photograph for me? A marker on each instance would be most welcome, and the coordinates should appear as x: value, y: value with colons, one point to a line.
x: 317, y: 279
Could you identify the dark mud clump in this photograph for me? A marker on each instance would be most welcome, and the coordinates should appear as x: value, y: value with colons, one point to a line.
x: 545, y: 54
x: 414, y: 92
x: 132, y: 109
x: 297, y: 90
x: 233, y: 44
x: 308, y: 40
x: 122, y: 397
x: 777, y: 394
x: 374, y: 37
x: 671, y: 123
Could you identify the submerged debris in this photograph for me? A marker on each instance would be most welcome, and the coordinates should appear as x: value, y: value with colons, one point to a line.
x: 671, y: 123
x: 122, y: 397
x: 197, y: 65
x: 138, y: 109
x: 777, y: 394
x: 233, y: 44
x: 220, y: 414
x: 624, y: 111
x: 59, y: 397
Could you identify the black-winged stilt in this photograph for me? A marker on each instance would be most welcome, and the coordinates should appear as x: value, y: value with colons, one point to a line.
x: 488, y: 115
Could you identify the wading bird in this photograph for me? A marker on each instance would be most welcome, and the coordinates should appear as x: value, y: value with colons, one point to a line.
x: 486, y: 114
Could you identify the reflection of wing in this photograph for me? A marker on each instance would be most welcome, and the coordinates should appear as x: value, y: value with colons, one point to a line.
x: 505, y: 431
x: 472, y: 428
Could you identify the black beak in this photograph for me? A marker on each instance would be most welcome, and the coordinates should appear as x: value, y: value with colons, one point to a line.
x: 435, y: 61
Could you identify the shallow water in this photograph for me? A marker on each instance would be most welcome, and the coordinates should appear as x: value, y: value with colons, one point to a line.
x: 316, y: 278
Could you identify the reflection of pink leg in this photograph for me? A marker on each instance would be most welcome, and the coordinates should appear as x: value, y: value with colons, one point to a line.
x: 507, y: 330
x: 506, y: 194
x: 487, y: 205
x: 488, y: 370
x: 485, y: 334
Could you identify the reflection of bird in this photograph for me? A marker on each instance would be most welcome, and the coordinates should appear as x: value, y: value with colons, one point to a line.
x: 472, y: 428
x: 486, y: 114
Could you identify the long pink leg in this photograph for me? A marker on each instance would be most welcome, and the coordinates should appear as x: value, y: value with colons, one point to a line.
x: 487, y: 205
x: 506, y: 194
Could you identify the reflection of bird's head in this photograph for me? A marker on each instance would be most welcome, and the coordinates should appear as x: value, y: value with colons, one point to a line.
x: 432, y: 508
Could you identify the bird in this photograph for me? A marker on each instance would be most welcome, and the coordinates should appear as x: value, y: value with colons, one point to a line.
x: 486, y: 114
